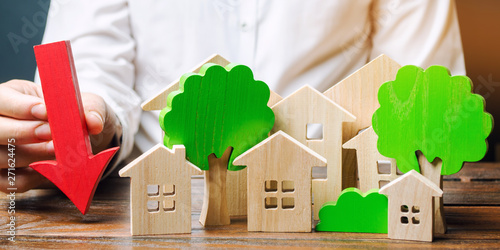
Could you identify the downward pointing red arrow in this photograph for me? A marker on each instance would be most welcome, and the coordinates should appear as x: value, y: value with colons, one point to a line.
x: 77, y: 171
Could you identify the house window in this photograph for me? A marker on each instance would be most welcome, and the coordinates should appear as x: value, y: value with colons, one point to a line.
x: 382, y: 183
x: 287, y: 203
x: 167, y: 198
x: 271, y: 203
x: 386, y: 172
x: 413, y: 214
x: 314, y: 131
x: 415, y: 220
x: 404, y: 209
x: 153, y: 206
x: 152, y: 190
x: 274, y: 194
x: 404, y: 220
x: 287, y: 186
x: 271, y: 186
x: 384, y: 167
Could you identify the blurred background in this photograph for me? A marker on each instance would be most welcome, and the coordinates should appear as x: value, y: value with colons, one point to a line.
x: 22, y: 24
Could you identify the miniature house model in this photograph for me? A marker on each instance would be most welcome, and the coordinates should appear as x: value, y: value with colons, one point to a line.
x: 279, y: 184
x: 306, y: 108
x: 160, y: 191
x: 411, y: 207
x: 374, y: 169
x: 236, y: 180
x: 357, y: 93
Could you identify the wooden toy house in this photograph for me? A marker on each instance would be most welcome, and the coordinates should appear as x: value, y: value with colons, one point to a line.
x: 236, y: 180
x: 374, y: 169
x: 160, y: 191
x: 279, y: 184
x: 298, y: 113
x: 411, y: 207
x: 357, y: 94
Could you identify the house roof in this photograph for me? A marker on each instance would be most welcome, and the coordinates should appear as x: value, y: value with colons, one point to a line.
x: 159, y: 101
x: 398, y: 184
x: 354, y: 142
x: 158, y: 151
x: 357, y: 93
x: 284, y: 141
x: 307, y: 90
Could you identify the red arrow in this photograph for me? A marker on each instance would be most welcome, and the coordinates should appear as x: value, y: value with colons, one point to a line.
x: 76, y: 170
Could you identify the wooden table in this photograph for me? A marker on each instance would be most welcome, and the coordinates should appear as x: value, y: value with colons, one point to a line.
x: 47, y: 219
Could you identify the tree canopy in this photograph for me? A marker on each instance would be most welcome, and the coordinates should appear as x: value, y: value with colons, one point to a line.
x: 435, y: 113
x: 216, y: 109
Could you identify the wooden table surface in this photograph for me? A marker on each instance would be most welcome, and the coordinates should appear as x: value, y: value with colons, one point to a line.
x: 47, y: 219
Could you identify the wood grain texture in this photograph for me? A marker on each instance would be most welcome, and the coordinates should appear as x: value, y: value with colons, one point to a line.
x: 369, y: 159
x: 357, y: 93
x: 47, y: 219
x: 236, y: 181
x: 308, y: 106
x: 432, y: 171
x: 76, y: 170
x: 159, y: 101
x: 431, y: 111
x: 411, y: 207
x: 279, y: 184
x: 219, y: 108
x: 214, y: 211
x: 163, y: 177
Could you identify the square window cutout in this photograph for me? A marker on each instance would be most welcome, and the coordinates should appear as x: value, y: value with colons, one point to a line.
x: 153, y: 190
x: 168, y: 190
x: 314, y: 131
x: 287, y: 203
x: 319, y: 173
x: 404, y: 209
x: 271, y: 186
x: 287, y: 186
x: 384, y: 167
x: 169, y: 205
x: 153, y: 206
x: 404, y: 220
x: 382, y: 183
x: 271, y: 203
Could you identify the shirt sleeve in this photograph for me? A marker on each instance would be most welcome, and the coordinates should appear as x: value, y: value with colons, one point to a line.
x: 104, y: 50
x: 418, y: 32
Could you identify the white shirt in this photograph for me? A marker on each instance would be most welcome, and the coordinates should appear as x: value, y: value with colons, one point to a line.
x: 127, y: 51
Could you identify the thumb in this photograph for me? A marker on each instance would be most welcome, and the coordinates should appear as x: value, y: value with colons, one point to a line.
x: 95, y: 112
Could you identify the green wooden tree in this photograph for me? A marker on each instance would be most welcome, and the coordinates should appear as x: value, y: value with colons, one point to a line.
x: 217, y: 115
x: 435, y: 115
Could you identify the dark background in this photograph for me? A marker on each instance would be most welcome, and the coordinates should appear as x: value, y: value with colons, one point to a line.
x: 22, y: 23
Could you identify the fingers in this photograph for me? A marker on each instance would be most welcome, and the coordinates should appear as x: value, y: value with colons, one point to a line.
x: 24, y: 131
x: 25, y: 179
x: 95, y: 112
x: 22, y: 100
x: 27, y: 154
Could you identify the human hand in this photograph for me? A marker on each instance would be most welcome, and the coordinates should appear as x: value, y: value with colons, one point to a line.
x: 23, y: 116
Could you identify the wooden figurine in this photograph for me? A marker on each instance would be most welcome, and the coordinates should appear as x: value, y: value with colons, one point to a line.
x: 411, y: 208
x: 76, y: 171
x: 355, y: 212
x: 160, y: 191
x: 433, y: 114
x: 374, y: 169
x: 357, y: 93
x: 295, y: 115
x: 279, y: 184
x: 236, y: 181
x: 221, y: 111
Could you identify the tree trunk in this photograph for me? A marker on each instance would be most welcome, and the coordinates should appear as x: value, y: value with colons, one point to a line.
x: 214, y: 211
x: 432, y: 171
